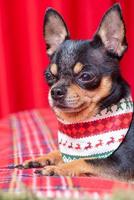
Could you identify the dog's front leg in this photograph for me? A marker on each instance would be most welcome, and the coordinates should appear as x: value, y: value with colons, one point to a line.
x: 52, y: 158
x: 74, y: 168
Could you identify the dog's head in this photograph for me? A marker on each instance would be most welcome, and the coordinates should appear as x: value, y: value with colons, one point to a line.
x: 84, y: 75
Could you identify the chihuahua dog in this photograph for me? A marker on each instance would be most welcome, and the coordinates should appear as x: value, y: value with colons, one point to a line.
x: 91, y: 100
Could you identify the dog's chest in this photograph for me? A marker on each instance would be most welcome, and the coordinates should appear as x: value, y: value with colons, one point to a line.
x: 98, y: 137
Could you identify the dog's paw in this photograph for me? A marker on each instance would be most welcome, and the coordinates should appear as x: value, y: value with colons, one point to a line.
x: 50, y: 171
x: 47, y: 171
x: 52, y: 158
x: 59, y: 170
x: 37, y: 163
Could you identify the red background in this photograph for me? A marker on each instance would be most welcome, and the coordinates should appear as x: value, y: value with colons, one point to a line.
x: 22, y: 48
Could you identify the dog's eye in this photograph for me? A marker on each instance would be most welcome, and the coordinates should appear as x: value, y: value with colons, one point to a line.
x: 86, y: 76
x: 50, y: 78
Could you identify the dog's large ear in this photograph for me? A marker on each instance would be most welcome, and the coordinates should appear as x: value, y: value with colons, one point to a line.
x: 54, y: 30
x: 112, y: 31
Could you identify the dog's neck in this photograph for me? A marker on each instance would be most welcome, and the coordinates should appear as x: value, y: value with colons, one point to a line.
x: 97, y: 137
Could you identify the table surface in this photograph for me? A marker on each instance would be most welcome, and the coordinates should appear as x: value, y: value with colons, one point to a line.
x: 30, y: 134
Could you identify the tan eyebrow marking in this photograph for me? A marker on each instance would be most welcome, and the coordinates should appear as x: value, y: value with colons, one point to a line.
x: 54, y: 69
x: 78, y: 67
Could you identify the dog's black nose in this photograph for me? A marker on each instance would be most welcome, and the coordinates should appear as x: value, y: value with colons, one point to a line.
x: 58, y: 93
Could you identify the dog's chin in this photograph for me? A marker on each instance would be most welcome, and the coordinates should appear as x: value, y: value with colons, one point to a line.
x: 74, y: 113
x: 70, y: 108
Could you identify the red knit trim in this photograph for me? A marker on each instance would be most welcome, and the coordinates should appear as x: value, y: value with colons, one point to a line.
x: 96, y: 127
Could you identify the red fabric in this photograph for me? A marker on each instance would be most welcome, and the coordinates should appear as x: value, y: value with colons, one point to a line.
x: 22, y: 48
x: 30, y: 134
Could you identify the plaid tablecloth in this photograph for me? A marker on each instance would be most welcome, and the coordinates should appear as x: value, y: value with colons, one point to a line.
x: 33, y: 133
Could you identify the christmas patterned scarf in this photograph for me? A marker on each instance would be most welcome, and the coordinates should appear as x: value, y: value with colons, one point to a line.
x: 98, y: 137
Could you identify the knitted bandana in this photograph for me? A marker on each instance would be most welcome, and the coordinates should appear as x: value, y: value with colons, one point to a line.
x: 97, y: 137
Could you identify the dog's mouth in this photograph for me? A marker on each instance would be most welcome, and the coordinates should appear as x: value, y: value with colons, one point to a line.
x: 75, y: 110
x: 71, y: 107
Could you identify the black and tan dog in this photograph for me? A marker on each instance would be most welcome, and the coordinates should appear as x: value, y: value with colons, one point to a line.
x: 84, y: 79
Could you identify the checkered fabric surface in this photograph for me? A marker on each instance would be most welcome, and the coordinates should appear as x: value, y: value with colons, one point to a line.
x: 30, y: 134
